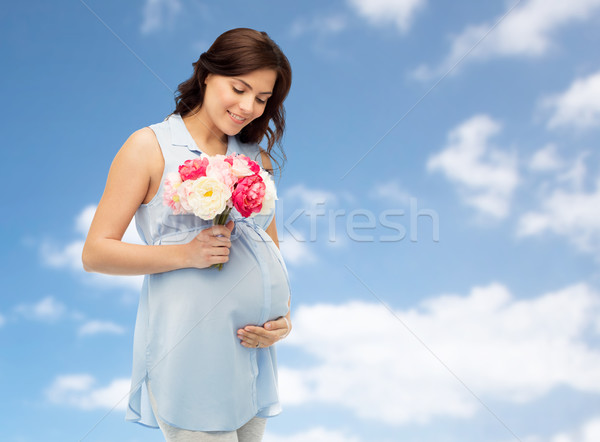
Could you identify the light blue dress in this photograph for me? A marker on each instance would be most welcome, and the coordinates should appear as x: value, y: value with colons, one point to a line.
x: 185, y: 339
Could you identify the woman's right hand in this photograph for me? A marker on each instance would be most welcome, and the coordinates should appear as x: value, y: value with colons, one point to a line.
x: 210, y: 246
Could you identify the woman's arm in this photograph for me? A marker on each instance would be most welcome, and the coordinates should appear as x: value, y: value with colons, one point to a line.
x: 133, y: 178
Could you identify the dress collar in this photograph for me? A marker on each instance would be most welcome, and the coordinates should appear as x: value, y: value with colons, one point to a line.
x: 180, y: 136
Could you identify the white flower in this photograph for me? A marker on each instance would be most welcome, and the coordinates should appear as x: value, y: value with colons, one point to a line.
x: 208, y: 197
x: 270, y: 193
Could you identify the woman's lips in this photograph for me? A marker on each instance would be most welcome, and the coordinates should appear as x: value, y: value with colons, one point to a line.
x: 236, y: 118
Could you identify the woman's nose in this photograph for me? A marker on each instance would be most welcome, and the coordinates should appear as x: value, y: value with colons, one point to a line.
x: 247, y: 104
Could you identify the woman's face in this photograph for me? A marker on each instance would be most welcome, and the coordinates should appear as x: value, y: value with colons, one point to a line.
x: 231, y: 103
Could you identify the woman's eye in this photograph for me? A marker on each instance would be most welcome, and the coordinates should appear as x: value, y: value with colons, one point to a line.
x: 240, y: 92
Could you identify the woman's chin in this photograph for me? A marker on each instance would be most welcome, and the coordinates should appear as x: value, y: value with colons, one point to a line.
x: 232, y: 131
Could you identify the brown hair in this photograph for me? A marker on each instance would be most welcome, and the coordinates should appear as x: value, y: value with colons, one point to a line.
x: 238, y: 52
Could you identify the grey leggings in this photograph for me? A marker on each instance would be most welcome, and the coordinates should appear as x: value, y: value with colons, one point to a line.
x: 252, y: 431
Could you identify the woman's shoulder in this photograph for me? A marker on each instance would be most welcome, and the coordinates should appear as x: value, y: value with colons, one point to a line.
x: 148, y: 135
x: 255, y: 152
x: 141, y: 145
x: 144, y: 135
x: 266, y: 160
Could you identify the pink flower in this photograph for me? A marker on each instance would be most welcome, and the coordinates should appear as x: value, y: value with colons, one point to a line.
x: 192, y: 169
x: 170, y: 196
x: 242, y: 165
x: 183, y: 192
x: 248, y: 195
x: 220, y: 169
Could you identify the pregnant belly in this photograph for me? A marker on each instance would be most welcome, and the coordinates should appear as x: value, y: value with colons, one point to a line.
x: 251, y: 289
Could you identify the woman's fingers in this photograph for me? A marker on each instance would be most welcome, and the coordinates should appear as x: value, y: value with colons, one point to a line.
x: 212, y: 233
x: 220, y: 230
x: 217, y: 241
x: 267, y: 335
x: 250, y: 339
x: 277, y: 324
x: 211, y: 246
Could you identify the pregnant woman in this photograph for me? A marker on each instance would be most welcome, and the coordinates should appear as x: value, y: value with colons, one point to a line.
x: 204, y: 364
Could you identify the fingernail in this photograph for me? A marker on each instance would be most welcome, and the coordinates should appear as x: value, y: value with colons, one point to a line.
x: 269, y: 325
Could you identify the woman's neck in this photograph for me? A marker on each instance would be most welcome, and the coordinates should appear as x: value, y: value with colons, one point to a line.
x: 206, y: 135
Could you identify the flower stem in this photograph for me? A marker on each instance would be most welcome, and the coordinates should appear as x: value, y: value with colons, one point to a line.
x: 220, y: 220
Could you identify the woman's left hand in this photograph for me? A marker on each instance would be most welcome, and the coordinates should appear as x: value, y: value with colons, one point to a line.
x: 253, y: 336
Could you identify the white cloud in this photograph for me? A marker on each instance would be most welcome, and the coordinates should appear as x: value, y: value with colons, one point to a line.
x: 158, y: 14
x: 304, y: 221
x: 46, y: 310
x: 331, y: 24
x: 50, y: 310
x: 83, y: 221
x: 391, y: 192
x: 526, y: 31
x: 68, y: 256
x: 575, y: 175
x: 502, y: 348
x: 80, y: 391
x: 310, y: 197
x: 546, y: 159
x: 383, y: 12
x: 97, y: 327
x: 578, y: 106
x: 573, y: 213
x: 297, y: 251
x: 318, y: 434
x: 486, y: 176
x: 588, y: 432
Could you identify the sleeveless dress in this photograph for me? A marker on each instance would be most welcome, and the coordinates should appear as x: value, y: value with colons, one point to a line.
x: 185, y: 341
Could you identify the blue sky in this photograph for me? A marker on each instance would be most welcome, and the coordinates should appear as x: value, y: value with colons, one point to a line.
x: 439, y: 213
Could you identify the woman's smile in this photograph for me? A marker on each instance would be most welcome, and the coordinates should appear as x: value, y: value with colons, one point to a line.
x: 236, y: 118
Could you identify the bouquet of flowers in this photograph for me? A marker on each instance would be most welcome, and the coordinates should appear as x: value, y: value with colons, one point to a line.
x: 209, y: 187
